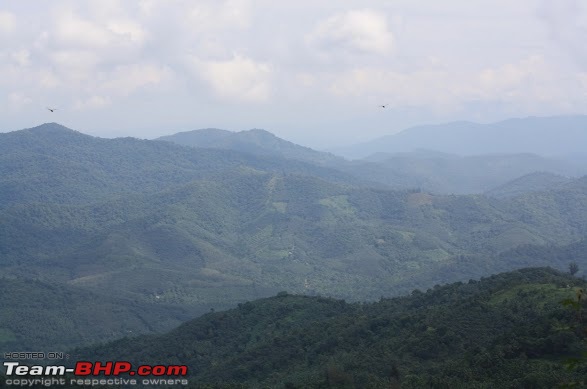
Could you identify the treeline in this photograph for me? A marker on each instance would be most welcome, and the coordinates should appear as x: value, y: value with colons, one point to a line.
x: 506, y: 331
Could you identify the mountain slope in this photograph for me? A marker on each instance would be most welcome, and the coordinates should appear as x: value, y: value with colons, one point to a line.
x: 171, y: 225
x: 38, y: 315
x: 506, y: 330
x: 558, y: 135
x: 53, y: 164
x: 256, y: 141
x: 428, y: 170
x: 249, y: 233
x: 447, y: 173
x: 533, y: 182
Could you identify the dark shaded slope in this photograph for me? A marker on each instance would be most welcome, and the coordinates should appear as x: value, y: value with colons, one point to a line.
x: 509, y: 330
x: 40, y: 316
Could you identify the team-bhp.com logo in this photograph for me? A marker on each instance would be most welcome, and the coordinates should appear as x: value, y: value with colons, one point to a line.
x: 95, y: 373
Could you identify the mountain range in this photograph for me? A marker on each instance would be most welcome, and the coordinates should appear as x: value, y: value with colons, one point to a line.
x: 548, y: 136
x: 185, y: 229
x: 429, y: 170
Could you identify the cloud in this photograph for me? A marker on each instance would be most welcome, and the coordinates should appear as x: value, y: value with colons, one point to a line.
x: 238, y: 79
x: 19, y: 99
x: 531, y: 83
x: 215, y: 15
x: 127, y: 31
x: 21, y: 57
x: 126, y: 79
x: 93, y: 102
x: 332, y: 60
x: 356, y: 31
x: 7, y: 22
x: 48, y: 79
x: 567, y: 23
x: 74, y: 31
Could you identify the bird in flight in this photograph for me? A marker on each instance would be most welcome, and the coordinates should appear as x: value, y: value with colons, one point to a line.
x: 52, y: 109
x: 383, y: 106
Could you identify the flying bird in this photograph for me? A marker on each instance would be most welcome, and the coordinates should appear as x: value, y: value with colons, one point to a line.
x: 52, y: 109
x: 383, y: 106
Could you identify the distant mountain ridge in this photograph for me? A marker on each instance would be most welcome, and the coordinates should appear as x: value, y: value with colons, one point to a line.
x: 427, y: 169
x: 533, y: 182
x: 548, y: 136
x: 438, y: 172
x: 254, y: 141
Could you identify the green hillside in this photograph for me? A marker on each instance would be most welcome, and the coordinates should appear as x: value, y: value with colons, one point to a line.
x: 53, y: 164
x: 429, y: 170
x: 452, y: 174
x: 35, y: 315
x: 167, y: 225
x: 529, y: 183
x: 270, y: 231
x: 256, y: 141
x: 508, y: 331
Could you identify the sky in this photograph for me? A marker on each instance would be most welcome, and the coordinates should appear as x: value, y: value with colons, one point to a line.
x: 313, y: 72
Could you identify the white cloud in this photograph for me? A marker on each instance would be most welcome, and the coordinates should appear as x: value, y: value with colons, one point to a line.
x: 19, y: 99
x: 530, y: 83
x: 239, y: 78
x: 513, y: 78
x: 567, y: 23
x: 582, y: 77
x: 363, y: 31
x: 126, y: 79
x: 76, y: 67
x: 21, y: 57
x: 215, y: 15
x: 331, y: 59
x: 74, y: 31
x: 7, y: 22
x: 48, y: 79
x: 127, y: 31
x: 93, y: 102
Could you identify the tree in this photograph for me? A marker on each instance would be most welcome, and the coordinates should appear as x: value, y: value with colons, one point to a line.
x: 573, y: 268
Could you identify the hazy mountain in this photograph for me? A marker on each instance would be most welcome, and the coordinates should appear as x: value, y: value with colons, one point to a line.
x: 509, y: 330
x: 448, y: 173
x: 173, y: 225
x: 533, y: 182
x: 425, y: 169
x: 548, y: 136
x: 254, y: 141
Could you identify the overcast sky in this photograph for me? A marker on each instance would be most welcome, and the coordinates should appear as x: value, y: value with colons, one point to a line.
x: 313, y: 72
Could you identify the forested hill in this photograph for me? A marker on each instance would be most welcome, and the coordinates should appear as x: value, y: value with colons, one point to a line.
x: 256, y: 141
x: 53, y: 164
x: 529, y: 183
x: 430, y: 170
x: 156, y: 223
x: 507, y: 330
